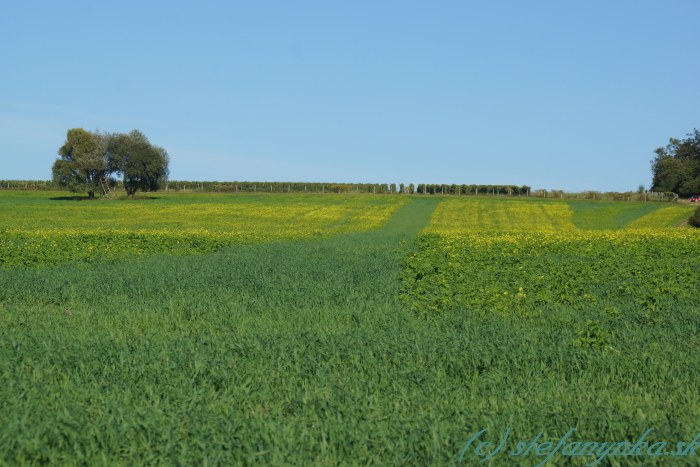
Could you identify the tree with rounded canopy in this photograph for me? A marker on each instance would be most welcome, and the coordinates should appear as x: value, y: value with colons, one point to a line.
x: 142, y: 165
x: 82, y: 163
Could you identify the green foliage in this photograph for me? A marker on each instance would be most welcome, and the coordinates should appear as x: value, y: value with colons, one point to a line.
x: 593, y: 336
x: 82, y: 161
x: 89, y: 158
x: 676, y: 167
x: 694, y: 220
x: 142, y: 165
x: 442, y: 189
x: 22, y: 248
x: 538, y: 273
x: 34, y: 185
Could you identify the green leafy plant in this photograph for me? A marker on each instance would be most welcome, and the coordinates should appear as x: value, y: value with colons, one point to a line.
x: 593, y: 335
x: 694, y: 220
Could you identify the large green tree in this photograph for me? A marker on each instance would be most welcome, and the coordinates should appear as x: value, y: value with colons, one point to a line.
x: 82, y: 161
x: 142, y: 165
x: 676, y: 166
x: 87, y: 158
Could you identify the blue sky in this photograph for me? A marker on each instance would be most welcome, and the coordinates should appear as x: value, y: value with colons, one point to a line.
x: 555, y: 94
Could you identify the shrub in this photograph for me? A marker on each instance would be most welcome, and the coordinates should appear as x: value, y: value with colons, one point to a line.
x: 694, y: 220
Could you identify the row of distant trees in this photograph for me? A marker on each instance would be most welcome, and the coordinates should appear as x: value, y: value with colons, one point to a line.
x: 380, y: 188
x: 292, y: 187
x: 441, y: 189
x: 89, y: 161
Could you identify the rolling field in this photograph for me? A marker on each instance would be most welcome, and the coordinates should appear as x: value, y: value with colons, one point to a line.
x: 289, y: 329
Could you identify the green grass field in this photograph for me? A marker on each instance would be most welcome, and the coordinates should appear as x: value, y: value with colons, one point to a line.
x: 339, y: 329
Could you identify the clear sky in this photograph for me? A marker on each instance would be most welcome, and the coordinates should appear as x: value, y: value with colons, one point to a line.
x: 555, y: 94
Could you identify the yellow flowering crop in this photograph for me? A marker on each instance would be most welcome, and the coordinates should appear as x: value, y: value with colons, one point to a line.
x: 485, y: 215
x: 71, y: 231
x: 665, y: 217
x: 528, y: 257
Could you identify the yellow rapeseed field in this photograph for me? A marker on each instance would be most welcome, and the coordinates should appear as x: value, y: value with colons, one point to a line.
x: 47, y: 233
x: 459, y: 215
x: 526, y: 256
x: 671, y: 215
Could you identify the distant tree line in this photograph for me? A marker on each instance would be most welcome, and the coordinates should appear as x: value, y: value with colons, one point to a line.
x: 372, y: 188
x: 676, y: 167
x: 378, y: 188
x: 88, y: 161
x: 285, y: 187
x: 441, y: 189
x: 30, y: 185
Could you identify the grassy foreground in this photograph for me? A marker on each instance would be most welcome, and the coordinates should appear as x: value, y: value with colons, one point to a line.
x: 307, y: 352
x: 271, y: 353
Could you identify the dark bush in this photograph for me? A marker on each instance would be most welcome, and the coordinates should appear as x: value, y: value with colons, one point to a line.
x: 694, y: 220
